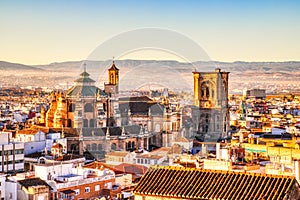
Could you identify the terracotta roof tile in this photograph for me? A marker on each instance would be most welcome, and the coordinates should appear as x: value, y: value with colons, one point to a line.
x: 207, y: 184
x: 131, y: 168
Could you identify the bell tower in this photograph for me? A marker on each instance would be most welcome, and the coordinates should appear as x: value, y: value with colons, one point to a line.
x: 113, y: 73
x: 211, y: 114
x: 112, y: 89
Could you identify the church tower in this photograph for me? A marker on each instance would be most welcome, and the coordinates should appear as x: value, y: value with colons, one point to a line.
x: 211, y: 116
x: 113, y: 74
x: 112, y: 89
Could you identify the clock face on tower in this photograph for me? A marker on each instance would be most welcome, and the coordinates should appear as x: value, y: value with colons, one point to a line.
x: 207, y: 104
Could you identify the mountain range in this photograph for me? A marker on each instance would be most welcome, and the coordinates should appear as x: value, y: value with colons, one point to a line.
x: 135, y: 74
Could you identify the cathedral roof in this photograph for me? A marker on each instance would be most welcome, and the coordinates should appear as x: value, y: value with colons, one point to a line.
x: 86, y: 91
x: 84, y: 77
x: 84, y: 80
x: 188, y: 183
x: 84, y: 86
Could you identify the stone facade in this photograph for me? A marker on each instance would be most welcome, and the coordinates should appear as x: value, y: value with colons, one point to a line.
x: 210, y: 114
x: 101, y: 122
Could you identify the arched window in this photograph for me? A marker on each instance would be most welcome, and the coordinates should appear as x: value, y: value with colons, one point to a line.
x: 207, y: 92
x: 69, y: 123
x: 73, y: 147
x: 88, y: 147
x: 94, y: 147
x: 92, y: 124
x: 113, y: 146
x: 71, y: 107
x: 85, y: 123
x: 100, y: 148
x: 88, y: 107
x: 112, y: 78
x: 128, y: 146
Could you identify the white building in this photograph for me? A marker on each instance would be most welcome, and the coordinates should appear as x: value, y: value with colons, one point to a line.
x: 53, y: 138
x: 2, y: 186
x: 51, y: 171
x: 184, y: 142
x: 34, y: 140
x: 11, y: 154
x: 149, y: 159
x: 11, y: 189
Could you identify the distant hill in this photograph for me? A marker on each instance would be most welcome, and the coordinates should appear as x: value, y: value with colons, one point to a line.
x: 135, y: 74
x: 15, y: 66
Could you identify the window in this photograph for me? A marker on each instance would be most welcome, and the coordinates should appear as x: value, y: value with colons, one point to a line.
x: 85, y: 123
x: 92, y: 123
x: 113, y: 146
x: 94, y: 147
x: 100, y: 147
x: 108, y: 185
x: 77, y: 192
x: 8, y: 152
x: 87, y: 189
x: 69, y: 123
x: 72, y: 107
x: 97, y: 187
x: 73, y: 147
x: 88, y: 107
x: 19, y: 151
x: 40, y: 197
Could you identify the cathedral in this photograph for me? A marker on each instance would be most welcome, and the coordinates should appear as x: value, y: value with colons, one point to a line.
x: 211, y: 113
x: 80, y: 106
x: 99, y: 121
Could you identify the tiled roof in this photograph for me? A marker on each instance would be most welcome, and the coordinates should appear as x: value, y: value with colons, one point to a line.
x: 97, y: 165
x: 33, y: 130
x: 27, y: 132
x: 131, y: 168
x: 181, y: 139
x: 57, y: 145
x: 117, y: 153
x: 187, y: 183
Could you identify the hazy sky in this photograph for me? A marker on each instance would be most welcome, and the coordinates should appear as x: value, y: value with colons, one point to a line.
x: 41, y: 32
